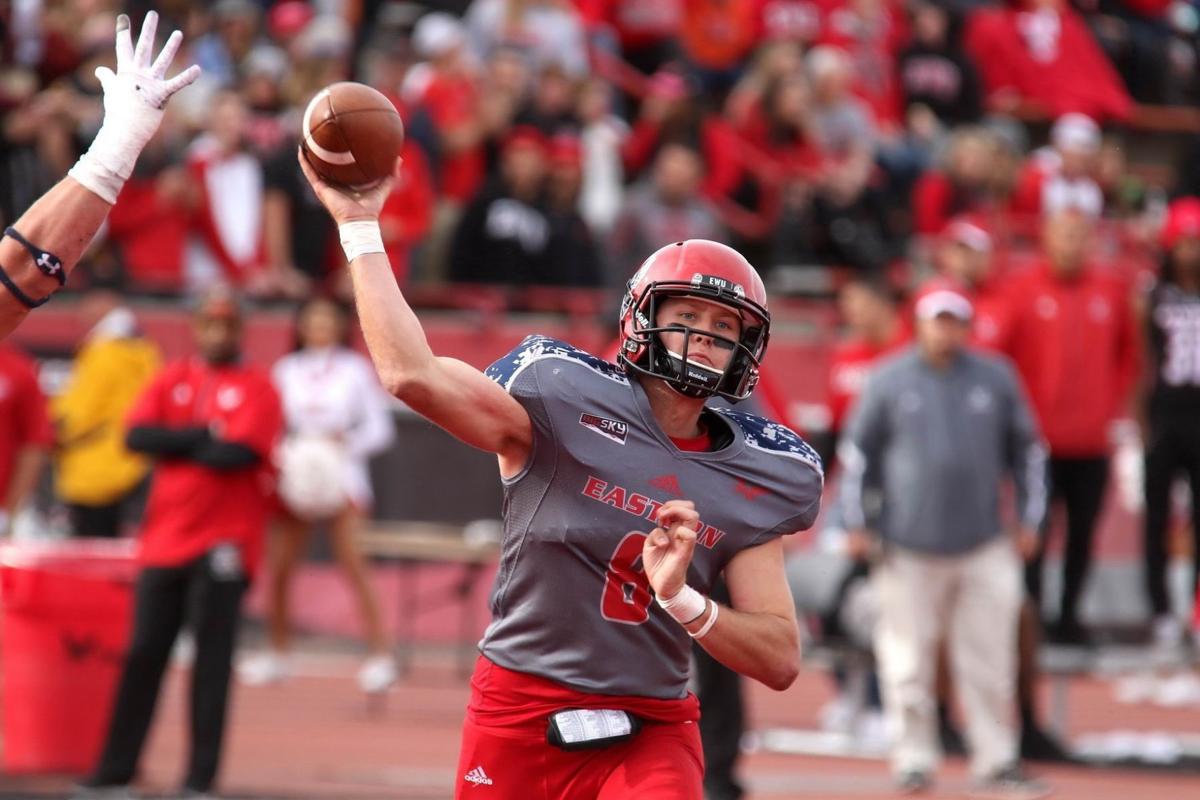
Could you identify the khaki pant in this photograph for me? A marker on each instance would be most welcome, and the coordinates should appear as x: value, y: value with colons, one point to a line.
x: 972, y: 602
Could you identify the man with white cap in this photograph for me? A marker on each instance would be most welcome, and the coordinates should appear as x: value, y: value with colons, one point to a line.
x: 1060, y: 177
x: 941, y: 427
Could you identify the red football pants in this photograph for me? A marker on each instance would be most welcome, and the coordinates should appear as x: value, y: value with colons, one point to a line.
x: 663, y: 762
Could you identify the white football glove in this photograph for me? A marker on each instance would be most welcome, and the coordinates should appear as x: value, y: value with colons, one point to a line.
x: 134, y: 98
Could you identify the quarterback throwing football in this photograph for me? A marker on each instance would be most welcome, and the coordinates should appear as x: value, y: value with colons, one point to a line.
x: 625, y: 497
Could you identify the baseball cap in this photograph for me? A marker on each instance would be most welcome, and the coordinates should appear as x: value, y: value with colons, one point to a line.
x: 1183, y: 219
x: 437, y: 33
x: 942, y: 297
x: 1075, y: 132
x: 965, y: 231
x: 523, y: 136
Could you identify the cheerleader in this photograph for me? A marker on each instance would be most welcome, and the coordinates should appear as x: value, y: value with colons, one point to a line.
x: 337, y: 417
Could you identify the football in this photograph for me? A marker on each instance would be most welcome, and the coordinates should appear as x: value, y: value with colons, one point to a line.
x: 351, y: 135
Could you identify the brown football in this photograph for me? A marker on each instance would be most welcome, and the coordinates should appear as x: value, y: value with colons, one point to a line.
x: 351, y: 135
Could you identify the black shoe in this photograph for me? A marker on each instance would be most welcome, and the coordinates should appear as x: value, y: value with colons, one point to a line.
x: 950, y: 738
x: 1037, y: 745
x: 913, y: 782
x: 1069, y: 633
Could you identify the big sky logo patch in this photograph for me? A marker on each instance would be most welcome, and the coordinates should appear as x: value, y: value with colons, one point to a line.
x: 608, y: 428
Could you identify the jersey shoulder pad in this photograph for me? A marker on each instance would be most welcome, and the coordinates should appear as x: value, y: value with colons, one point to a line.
x: 536, y: 349
x: 772, y: 437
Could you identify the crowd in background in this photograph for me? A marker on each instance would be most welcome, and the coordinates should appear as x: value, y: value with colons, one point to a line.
x: 566, y: 139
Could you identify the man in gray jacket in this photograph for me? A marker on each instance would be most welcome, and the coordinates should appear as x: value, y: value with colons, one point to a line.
x: 940, y: 427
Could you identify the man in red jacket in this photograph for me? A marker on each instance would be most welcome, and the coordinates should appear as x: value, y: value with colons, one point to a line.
x: 212, y: 424
x: 1070, y: 329
x: 25, y: 433
x: 964, y: 255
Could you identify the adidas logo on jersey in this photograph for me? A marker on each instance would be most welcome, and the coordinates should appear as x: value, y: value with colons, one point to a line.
x: 478, y: 777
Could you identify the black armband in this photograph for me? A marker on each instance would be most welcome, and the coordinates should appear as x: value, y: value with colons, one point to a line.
x: 47, y: 263
x: 16, y: 292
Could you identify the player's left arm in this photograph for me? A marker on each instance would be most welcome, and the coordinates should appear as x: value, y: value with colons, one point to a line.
x: 757, y: 634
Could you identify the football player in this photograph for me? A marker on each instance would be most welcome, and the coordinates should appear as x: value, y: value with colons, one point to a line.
x: 625, y: 497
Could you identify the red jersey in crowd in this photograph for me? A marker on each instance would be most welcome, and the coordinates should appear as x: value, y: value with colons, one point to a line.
x: 24, y: 420
x: 452, y: 101
x: 192, y: 507
x: 793, y: 20
x: 873, y: 36
x: 1074, y: 342
x: 936, y: 199
x: 717, y: 34
x: 408, y: 210
x: 637, y: 23
x: 988, y: 300
x: 150, y: 230
x: 1048, y: 57
x: 849, y: 365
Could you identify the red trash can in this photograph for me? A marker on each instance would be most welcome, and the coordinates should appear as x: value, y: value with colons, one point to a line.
x: 66, y: 609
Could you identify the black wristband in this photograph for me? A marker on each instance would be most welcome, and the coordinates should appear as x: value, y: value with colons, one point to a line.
x: 16, y: 292
x: 47, y: 263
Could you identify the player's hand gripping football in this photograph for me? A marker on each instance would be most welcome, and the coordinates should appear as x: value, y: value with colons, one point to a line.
x: 348, y: 205
x: 667, y: 552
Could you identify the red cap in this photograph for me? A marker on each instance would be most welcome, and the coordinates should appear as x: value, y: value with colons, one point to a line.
x: 288, y: 18
x: 940, y: 296
x: 1183, y: 219
x: 566, y: 148
x: 525, y: 136
x: 966, y: 231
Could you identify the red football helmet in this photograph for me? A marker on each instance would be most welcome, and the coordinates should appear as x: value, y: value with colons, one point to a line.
x: 707, y: 271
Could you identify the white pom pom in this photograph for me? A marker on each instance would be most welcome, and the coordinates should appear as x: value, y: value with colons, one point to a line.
x: 311, y: 470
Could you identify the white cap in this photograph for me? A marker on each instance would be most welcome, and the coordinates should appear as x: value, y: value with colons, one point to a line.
x: 934, y: 303
x: 437, y: 33
x: 1076, y: 132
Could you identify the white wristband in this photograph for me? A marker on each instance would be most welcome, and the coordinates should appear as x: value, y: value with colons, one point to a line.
x: 685, y: 605
x: 707, y: 626
x: 360, y: 237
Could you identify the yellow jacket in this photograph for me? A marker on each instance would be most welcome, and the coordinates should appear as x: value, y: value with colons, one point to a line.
x: 93, y: 467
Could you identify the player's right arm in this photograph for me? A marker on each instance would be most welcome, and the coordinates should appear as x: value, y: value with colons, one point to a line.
x: 446, y: 391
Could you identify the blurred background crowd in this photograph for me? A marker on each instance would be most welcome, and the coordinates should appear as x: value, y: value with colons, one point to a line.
x: 566, y: 139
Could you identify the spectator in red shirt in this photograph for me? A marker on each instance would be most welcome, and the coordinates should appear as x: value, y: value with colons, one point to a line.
x: 875, y: 328
x: 212, y: 424
x: 1039, y: 53
x: 408, y: 211
x: 149, y: 224
x: 645, y: 32
x: 1069, y: 327
x: 960, y: 185
x: 25, y: 433
x: 964, y: 255
x: 716, y: 36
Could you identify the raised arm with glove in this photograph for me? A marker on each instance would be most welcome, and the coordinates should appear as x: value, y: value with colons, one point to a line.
x: 40, y: 249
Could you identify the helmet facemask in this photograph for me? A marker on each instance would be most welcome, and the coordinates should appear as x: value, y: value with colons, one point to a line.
x: 644, y: 351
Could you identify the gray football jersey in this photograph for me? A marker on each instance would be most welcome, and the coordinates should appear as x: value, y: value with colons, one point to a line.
x: 571, y: 602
